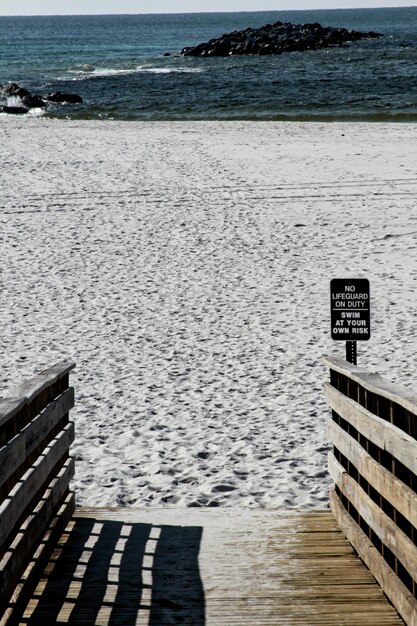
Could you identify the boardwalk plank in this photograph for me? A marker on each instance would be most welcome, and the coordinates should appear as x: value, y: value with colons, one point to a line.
x: 200, y: 567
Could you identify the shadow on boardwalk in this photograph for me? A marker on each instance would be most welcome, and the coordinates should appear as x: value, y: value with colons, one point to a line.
x: 113, y: 573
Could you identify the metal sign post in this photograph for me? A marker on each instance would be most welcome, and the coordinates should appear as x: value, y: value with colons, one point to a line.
x: 351, y: 352
x: 350, y: 313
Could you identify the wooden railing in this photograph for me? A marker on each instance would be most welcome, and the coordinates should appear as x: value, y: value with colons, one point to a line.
x: 373, y: 429
x: 35, y: 471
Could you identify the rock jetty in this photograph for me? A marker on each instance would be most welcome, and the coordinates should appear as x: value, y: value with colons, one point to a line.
x: 23, y: 100
x: 275, y: 39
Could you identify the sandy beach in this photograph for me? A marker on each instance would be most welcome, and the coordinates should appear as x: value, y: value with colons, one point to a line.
x: 185, y: 267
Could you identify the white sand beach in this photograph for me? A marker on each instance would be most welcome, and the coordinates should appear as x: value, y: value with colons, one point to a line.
x: 185, y: 267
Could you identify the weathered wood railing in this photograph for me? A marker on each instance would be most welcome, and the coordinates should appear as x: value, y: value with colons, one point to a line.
x: 373, y: 429
x: 35, y: 471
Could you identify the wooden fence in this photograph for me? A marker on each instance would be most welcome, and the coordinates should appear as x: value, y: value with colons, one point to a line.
x: 373, y: 429
x: 35, y: 471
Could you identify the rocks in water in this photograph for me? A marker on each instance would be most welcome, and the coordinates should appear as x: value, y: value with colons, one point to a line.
x: 19, y: 100
x: 33, y: 102
x: 12, y: 89
x: 72, y: 98
x: 275, y: 39
x: 13, y: 110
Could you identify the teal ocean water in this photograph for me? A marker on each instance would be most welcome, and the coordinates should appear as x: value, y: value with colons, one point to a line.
x: 117, y: 64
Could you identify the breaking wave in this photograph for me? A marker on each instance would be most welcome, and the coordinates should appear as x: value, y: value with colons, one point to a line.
x: 88, y: 71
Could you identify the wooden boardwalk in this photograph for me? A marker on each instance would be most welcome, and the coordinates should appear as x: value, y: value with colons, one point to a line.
x: 206, y: 567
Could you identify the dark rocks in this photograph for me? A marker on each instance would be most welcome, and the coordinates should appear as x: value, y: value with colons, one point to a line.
x: 276, y: 39
x: 13, y: 110
x: 33, y: 102
x: 12, y: 94
x: 12, y: 89
x: 72, y: 98
x: 18, y: 100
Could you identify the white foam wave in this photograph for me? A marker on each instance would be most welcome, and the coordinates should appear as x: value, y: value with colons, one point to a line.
x: 81, y: 69
x: 83, y: 72
x: 37, y: 112
x: 171, y: 70
x: 15, y: 101
x: 112, y: 72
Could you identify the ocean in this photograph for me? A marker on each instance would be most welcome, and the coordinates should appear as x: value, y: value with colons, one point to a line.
x: 117, y: 64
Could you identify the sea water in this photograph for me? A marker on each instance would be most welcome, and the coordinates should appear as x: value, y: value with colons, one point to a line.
x: 117, y: 64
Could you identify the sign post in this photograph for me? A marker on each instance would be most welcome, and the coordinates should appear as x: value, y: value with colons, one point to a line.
x: 350, y: 313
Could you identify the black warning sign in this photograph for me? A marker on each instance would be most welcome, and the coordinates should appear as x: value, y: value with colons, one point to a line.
x: 350, y: 309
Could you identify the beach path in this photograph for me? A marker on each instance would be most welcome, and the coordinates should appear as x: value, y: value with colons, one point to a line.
x: 206, y: 567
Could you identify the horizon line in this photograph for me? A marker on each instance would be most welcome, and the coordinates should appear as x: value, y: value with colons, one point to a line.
x: 111, y: 14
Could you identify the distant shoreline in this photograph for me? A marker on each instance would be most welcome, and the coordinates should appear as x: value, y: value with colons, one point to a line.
x: 382, y: 118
